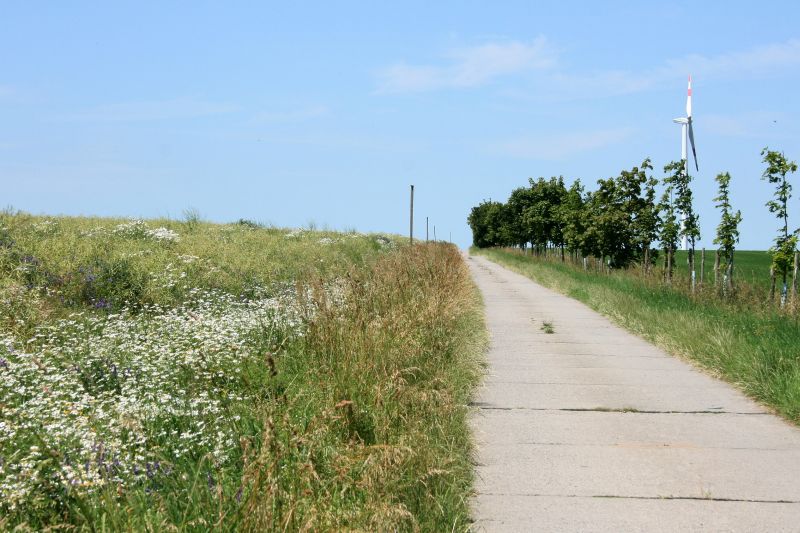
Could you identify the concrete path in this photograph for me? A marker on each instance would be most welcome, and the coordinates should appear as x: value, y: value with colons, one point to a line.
x: 591, y: 428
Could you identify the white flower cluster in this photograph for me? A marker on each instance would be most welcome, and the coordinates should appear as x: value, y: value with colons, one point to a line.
x: 45, y: 227
x: 163, y: 235
x: 94, y: 400
x: 294, y: 234
x: 137, y: 229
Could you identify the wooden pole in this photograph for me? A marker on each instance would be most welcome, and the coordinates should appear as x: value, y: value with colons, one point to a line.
x: 716, y: 268
x: 411, y: 218
x: 794, y: 276
x: 426, y: 229
x: 434, y: 233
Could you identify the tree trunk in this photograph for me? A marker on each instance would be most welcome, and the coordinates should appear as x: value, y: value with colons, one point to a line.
x: 691, y: 269
x: 668, y: 259
x: 716, y: 269
x: 702, y: 266
x: 771, y: 284
x: 794, y: 278
x: 646, y: 266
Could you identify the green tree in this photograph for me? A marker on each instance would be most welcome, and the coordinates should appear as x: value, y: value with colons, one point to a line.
x: 572, y: 218
x: 778, y: 167
x: 647, y: 221
x: 488, y: 221
x: 728, y: 228
x: 607, y: 223
x: 690, y: 221
x: 638, y: 198
x: 669, y: 229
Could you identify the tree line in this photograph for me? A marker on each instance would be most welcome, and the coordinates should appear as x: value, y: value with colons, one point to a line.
x: 625, y: 222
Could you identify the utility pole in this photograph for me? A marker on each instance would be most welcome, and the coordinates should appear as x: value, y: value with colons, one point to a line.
x: 426, y: 229
x: 411, y: 218
x: 434, y: 233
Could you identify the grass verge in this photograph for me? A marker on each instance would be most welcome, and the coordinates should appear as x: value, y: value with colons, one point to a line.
x: 162, y: 375
x: 756, y: 351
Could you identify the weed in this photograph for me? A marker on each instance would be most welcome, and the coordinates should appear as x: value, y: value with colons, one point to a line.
x: 547, y: 327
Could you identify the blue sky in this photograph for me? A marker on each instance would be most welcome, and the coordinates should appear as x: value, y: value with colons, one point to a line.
x: 296, y: 112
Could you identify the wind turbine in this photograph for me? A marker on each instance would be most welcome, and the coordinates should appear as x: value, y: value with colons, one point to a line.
x: 687, y: 133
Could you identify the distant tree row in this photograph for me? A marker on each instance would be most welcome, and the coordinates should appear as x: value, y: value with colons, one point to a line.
x: 624, y: 222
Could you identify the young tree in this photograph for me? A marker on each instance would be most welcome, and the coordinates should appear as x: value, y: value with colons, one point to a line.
x: 785, y: 244
x: 639, y: 203
x: 571, y: 217
x: 670, y: 229
x: 518, y: 203
x: 690, y: 223
x: 607, y: 223
x: 488, y: 222
x: 728, y: 228
x: 647, y: 221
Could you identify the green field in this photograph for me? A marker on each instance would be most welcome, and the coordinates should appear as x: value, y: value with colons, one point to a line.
x: 181, y: 375
x: 754, y: 348
x: 751, y: 266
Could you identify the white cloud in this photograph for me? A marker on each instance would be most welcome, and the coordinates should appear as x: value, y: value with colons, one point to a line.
x: 469, y: 67
x: 178, y: 108
x: 759, y: 60
x: 755, y: 62
x: 560, y: 145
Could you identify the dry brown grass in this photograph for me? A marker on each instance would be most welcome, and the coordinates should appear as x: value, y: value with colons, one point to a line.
x: 375, y: 439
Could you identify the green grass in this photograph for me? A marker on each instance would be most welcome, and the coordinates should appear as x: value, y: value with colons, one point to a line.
x: 755, y: 349
x: 164, y: 375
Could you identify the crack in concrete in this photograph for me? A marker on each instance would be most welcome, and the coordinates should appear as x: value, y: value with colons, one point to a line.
x: 618, y: 497
x: 613, y: 410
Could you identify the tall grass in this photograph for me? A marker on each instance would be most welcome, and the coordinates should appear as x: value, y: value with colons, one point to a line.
x: 755, y: 349
x: 156, y: 376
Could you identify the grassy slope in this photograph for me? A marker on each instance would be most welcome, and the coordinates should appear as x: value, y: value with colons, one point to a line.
x: 352, y: 419
x: 757, y: 351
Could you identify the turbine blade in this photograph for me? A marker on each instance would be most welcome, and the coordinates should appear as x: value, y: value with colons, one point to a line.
x: 689, y: 99
x: 691, y: 141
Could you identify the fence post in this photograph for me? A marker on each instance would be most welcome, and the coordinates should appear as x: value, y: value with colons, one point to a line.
x: 716, y: 269
x: 411, y: 219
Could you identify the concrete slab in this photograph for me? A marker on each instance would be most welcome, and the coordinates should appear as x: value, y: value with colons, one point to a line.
x: 593, y: 429
x: 563, y: 513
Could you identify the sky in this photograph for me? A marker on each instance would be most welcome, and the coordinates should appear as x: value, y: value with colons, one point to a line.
x: 323, y: 113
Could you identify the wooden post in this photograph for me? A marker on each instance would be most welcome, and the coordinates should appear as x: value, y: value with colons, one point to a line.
x: 716, y: 269
x: 434, y: 233
x: 794, y: 276
x: 702, y: 266
x: 426, y: 229
x: 411, y: 218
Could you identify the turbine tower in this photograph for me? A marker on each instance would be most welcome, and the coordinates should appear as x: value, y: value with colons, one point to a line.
x: 687, y: 133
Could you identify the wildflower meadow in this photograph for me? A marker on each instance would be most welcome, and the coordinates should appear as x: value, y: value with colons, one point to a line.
x: 182, y: 374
